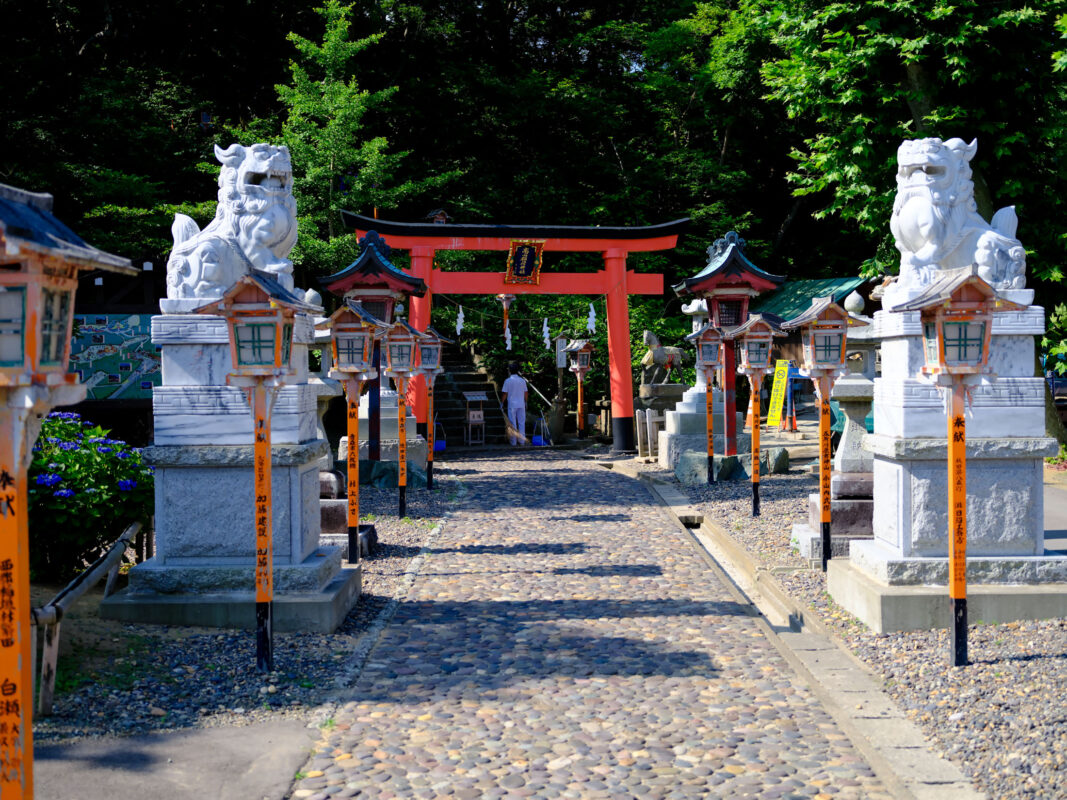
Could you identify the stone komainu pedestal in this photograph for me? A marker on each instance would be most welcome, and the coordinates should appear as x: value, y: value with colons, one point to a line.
x: 897, y: 580
x: 203, y: 569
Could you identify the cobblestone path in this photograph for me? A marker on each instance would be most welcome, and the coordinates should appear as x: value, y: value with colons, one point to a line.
x: 565, y: 640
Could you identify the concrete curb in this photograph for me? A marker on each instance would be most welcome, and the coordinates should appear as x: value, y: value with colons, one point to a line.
x: 851, y: 693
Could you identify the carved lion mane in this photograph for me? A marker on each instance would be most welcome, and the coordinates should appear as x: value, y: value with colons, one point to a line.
x: 254, y: 226
x: 936, y: 224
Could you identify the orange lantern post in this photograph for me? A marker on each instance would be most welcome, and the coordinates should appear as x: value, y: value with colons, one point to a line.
x: 708, y: 341
x: 40, y: 259
x: 957, y: 319
x: 824, y: 329
x: 580, y: 351
x: 353, y: 333
x: 430, y: 367
x: 402, y: 353
x: 259, y: 314
x: 755, y: 335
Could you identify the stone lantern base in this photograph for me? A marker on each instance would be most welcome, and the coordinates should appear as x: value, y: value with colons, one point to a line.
x: 897, y: 580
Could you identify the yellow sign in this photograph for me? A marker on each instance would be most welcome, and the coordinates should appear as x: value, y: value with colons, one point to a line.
x: 774, y: 410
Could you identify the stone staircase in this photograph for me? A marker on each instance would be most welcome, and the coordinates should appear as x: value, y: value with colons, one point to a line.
x: 461, y: 376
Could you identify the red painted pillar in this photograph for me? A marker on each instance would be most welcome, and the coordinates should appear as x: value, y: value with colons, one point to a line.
x: 729, y: 394
x: 421, y: 267
x: 622, y: 387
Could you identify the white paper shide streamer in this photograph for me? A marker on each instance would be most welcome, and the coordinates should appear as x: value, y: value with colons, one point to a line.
x: 590, y: 325
x: 459, y: 321
x: 507, y: 336
x: 546, y: 335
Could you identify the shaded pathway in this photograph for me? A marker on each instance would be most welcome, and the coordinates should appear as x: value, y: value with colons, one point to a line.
x: 565, y: 639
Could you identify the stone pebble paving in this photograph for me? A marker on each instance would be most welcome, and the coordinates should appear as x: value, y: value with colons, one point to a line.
x: 1002, y: 719
x: 565, y: 639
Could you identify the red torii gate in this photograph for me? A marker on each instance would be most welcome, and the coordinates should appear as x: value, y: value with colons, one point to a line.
x: 614, y: 281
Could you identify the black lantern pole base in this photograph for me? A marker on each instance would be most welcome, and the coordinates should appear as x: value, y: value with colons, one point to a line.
x: 366, y: 535
x: 711, y: 470
x: 403, y: 509
x: 265, y: 637
x: 429, y: 476
x: 826, y: 554
x: 755, y: 499
x: 958, y: 631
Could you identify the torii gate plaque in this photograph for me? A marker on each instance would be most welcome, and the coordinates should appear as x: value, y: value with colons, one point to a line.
x: 614, y: 281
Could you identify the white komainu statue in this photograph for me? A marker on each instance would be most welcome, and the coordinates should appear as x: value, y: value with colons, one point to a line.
x: 937, y: 226
x: 254, y: 226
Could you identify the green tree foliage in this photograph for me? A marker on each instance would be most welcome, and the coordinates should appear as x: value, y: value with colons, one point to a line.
x: 338, y: 163
x: 778, y: 118
x: 859, y: 78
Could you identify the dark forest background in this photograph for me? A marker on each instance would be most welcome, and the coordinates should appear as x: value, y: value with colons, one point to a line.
x: 776, y: 119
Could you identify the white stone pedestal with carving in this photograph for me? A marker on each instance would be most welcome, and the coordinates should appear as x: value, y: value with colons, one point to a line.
x: 202, y: 572
x: 1005, y: 525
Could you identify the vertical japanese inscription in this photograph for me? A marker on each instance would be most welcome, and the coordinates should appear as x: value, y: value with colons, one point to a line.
x: 710, y: 421
x: 755, y: 382
x: 824, y: 451
x: 430, y: 426
x: 401, y: 426
x: 261, y: 453
x: 15, y: 680
x: 352, y: 388
x: 957, y: 500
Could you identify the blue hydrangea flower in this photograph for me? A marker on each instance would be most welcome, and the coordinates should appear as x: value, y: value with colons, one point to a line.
x: 87, y: 423
x: 51, y: 439
x: 63, y: 493
x: 48, y: 479
x: 121, y: 454
x: 103, y: 449
x: 114, y: 441
x: 68, y: 445
x: 127, y: 486
x: 96, y: 440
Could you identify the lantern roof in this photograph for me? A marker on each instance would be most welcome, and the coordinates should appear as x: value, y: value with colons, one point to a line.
x: 433, y: 332
x: 27, y: 223
x: 822, y: 309
x: 275, y: 293
x: 407, y: 327
x: 756, y: 323
x: 373, y: 269
x: 959, y: 285
x: 575, y: 345
x: 355, y: 309
x: 728, y: 266
x: 698, y: 335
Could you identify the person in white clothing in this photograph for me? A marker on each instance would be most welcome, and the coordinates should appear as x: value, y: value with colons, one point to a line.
x: 515, y: 391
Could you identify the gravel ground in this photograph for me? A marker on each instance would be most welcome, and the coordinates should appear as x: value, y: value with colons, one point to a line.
x: 1003, y: 719
x: 138, y: 678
